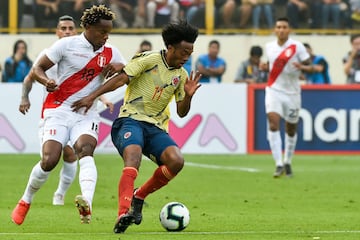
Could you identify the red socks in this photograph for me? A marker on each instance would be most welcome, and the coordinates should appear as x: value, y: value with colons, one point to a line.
x: 160, y: 178
x: 126, y: 188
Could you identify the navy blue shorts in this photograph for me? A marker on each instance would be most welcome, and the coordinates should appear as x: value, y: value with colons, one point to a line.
x: 153, y: 140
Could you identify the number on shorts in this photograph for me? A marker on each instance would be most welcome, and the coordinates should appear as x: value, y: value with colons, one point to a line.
x: 294, y: 113
x: 94, y: 127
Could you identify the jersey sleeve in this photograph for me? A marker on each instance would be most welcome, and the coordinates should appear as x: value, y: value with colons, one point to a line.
x: 138, y: 64
x: 56, y: 52
x: 303, y: 54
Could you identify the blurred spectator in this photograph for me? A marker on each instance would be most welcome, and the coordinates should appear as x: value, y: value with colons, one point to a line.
x: 210, y: 65
x: 315, y: 14
x: 280, y: 7
x: 346, y: 13
x: 352, y: 60
x: 46, y: 13
x: 140, y: 14
x: 161, y: 12
x: 262, y: 6
x: 145, y: 46
x: 331, y: 12
x: 297, y: 11
x: 18, y: 65
x: 194, y: 12
x: 250, y: 70
x: 318, y: 71
x: 124, y: 11
x: 74, y: 8
x: 4, y: 13
x: 225, y: 12
x: 355, y: 10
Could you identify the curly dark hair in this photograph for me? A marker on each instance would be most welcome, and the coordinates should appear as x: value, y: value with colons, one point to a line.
x: 176, y: 32
x: 94, y: 14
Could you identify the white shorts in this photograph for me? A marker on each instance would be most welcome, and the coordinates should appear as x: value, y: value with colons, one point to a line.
x: 64, y: 126
x: 286, y: 105
x: 41, y: 135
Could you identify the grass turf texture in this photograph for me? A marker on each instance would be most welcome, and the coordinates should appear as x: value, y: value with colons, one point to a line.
x: 321, y: 201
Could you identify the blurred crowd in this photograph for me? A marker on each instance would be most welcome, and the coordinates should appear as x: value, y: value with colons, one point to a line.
x: 257, y: 14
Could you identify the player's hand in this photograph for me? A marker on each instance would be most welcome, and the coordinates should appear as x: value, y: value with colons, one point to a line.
x: 51, y: 85
x: 24, y: 106
x: 111, y: 69
x: 297, y: 65
x: 85, y: 102
x: 192, y: 83
x: 109, y: 105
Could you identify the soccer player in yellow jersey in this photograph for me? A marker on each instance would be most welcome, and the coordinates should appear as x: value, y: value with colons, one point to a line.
x: 154, y: 79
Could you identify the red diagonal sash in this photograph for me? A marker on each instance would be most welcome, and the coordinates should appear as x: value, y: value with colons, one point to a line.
x: 280, y: 63
x: 78, y: 80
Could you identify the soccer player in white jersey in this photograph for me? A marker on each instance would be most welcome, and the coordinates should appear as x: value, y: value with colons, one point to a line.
x: 83, y: 63
x: 153, y: 79
x: 283, y: 94
x: 66, y: 27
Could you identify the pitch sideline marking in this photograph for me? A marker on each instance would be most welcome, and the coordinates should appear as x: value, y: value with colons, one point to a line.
x: 196, y: 233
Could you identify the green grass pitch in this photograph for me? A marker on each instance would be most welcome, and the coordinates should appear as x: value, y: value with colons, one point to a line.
x: 229, y: 197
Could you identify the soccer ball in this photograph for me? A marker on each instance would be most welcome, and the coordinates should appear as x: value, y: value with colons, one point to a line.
x: 174, y: 216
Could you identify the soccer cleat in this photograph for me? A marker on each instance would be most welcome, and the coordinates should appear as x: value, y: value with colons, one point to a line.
x: 84, y: 209
x: 279, y: 171
x: 136, y: 209
x: 58, y: 199
x: 19, y: 213
x: 123, y: 222
x: 288, y: 170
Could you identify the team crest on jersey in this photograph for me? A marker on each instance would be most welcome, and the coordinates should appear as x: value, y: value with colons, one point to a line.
x: 288, y: 52
x: 127, y: 135
x: 101, y: 60
x: 175, y: 80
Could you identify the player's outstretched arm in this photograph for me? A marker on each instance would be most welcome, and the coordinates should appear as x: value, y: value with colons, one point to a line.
x: 26, y: 88
x: 190, y: 87
x: 116, y: 81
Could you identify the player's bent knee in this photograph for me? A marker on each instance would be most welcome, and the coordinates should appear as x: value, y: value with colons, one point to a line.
x: 86, y: 149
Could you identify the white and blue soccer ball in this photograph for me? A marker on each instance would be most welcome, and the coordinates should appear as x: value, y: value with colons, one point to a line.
x: 174, y: 216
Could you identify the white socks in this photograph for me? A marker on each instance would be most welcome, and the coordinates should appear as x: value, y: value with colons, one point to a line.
x: 67, y: 176
x: 290, y: 143
x: 37, y: 178
x: 275, y: 143
x: 87, y: 178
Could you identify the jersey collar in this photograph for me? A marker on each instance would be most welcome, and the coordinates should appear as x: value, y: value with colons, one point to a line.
x: 163, y: 57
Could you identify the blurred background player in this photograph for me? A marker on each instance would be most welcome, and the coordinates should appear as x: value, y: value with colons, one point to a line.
x: 283, y: 93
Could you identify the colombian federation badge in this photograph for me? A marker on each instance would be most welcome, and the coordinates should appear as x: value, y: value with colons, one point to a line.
x: 175, y: 81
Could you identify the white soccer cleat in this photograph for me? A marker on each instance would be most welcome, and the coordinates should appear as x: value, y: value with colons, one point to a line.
x: 58, y: 199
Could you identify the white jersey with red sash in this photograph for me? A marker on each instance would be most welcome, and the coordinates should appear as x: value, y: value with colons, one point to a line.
x: 79, y: 70
x: 283, y: 75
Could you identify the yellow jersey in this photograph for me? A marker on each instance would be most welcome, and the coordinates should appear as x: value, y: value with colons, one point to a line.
x: 152, y: 86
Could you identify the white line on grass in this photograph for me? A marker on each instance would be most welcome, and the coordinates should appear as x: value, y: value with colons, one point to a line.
x: 233, y: 168
x: 192, y: 233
